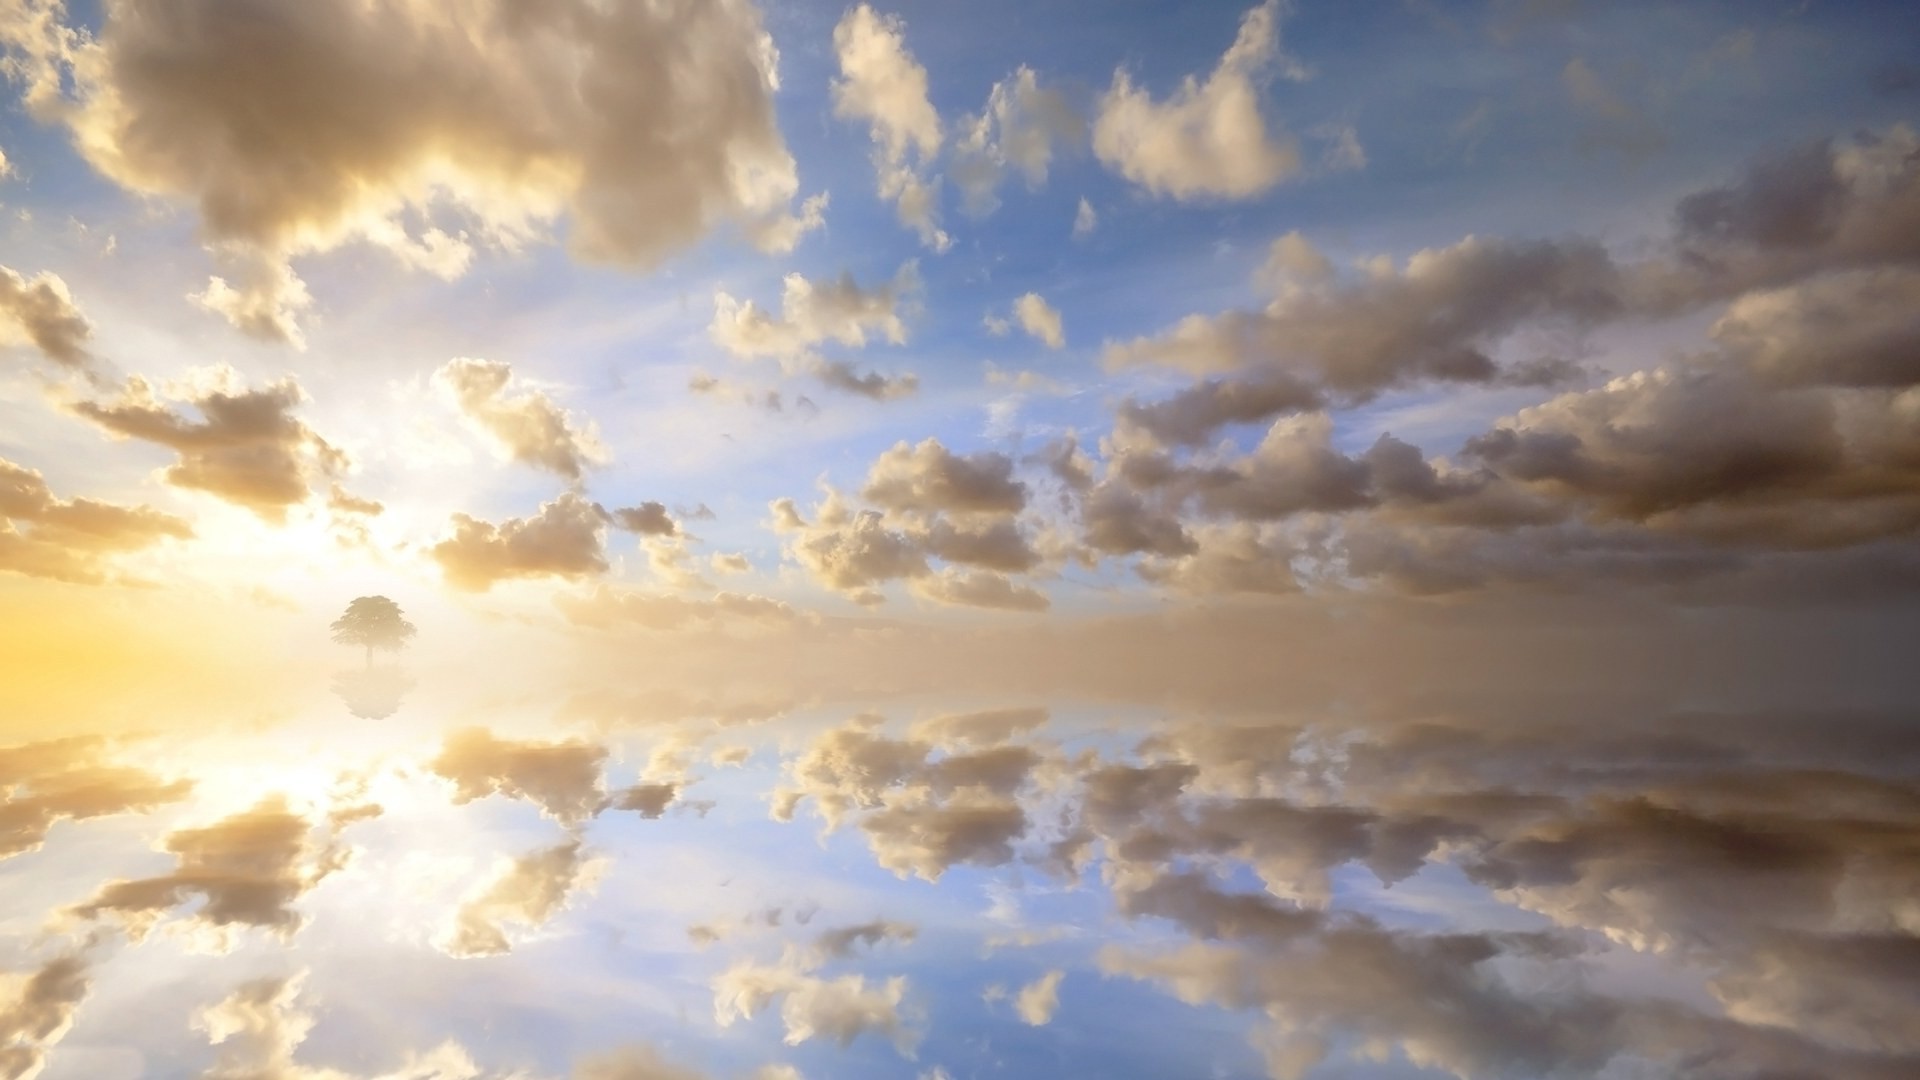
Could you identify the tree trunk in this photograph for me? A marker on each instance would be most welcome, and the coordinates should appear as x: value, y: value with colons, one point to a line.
x: 369, y: 657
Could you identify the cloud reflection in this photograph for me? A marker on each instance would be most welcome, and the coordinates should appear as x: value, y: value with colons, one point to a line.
x: 1709, y: 894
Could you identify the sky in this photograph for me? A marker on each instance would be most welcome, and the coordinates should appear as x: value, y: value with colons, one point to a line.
x: 1290, y: 539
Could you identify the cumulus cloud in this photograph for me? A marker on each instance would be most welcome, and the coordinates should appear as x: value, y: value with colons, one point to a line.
x: 1193, y: 416
x: 70, y: 780
x: 813, y: 313
x: 920, y: 815
x: 39, y: 311
x: 990, y: 727
x: 74, y: 540
x: 934, y: 504
x: 928, y: 477
x: 260, y: 1027
x: 248, y: 869
x: 39, y: 1013
x: 1017, y: 131
x: 423, y: 133
x: 525, y: 424
x: 1436, y: 317
x: 1040, y: 320
x: 1036, y: 1001
x: 882, y: 84
x: 841, y: 1009
x: 850, y: 552
x: 526, y: 892
x: 647, y: 519
x: 980, y: 589
x: 246, y: 447
x: 1852, y: 328
x: 566, y: 539
x: 562, y: 778
x: 1820, y: 206
x: 1210, y: 138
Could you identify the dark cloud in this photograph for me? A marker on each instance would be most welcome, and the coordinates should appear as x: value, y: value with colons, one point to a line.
x: 647, y: 519
x: 1437, y: 318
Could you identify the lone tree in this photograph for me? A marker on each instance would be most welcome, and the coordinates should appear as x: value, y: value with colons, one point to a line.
x: 375, y: 622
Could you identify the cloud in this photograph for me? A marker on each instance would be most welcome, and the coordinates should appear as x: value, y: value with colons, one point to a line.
x: 842, y: 376
x: 69, y: 780
x: 1851, y: 328
x: 813, y: 313
x: 527, y: 425
x: 840, y: 942
x: 930, y: 478
x: 990, y: 727
x: 920, y: 815
x: 1438, y: 317
x: 566, y: 539
x: 40, y: 1014
x: 562, y: 778
x: 1036, y: 1002
x: 1613, y: 121
x: 841, y: 1009
x: 71, y: 539
x: 247, y: 446
x: 1040, y: 320
x: 1193, y: 416
x: 1729, y: 452
x: 1794, y: 213
x: 647, y: 519
x: 634, y: 1063
x: 428, y: 135
x: 1209, y: 139
x: 935, y: 505
x: 248, y: 869
x: 980, y: 589
x: 39, y: 311
x: 1016, y: 131
x: 881, y: 83
x: 528, y: 891
x: 261, y: 1026
x: 1085, y: 220
x: 609, y: 607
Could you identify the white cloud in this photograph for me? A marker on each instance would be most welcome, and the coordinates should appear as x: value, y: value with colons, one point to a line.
x: 1085, y: 220
x: 1040, y: 320
x: 424, y: 130
x: 522, y: 421
x: 1209, y: 140
x: 881, y: 83
x: 1018, y: 130
x: 1036, y: 1002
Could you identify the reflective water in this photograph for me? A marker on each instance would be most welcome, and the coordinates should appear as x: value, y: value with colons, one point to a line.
x: 405, y: 878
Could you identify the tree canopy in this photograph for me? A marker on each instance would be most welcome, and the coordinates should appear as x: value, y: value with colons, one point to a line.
x: 373, y: 622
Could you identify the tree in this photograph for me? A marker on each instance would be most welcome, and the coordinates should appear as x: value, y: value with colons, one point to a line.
x: 375, y: 622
